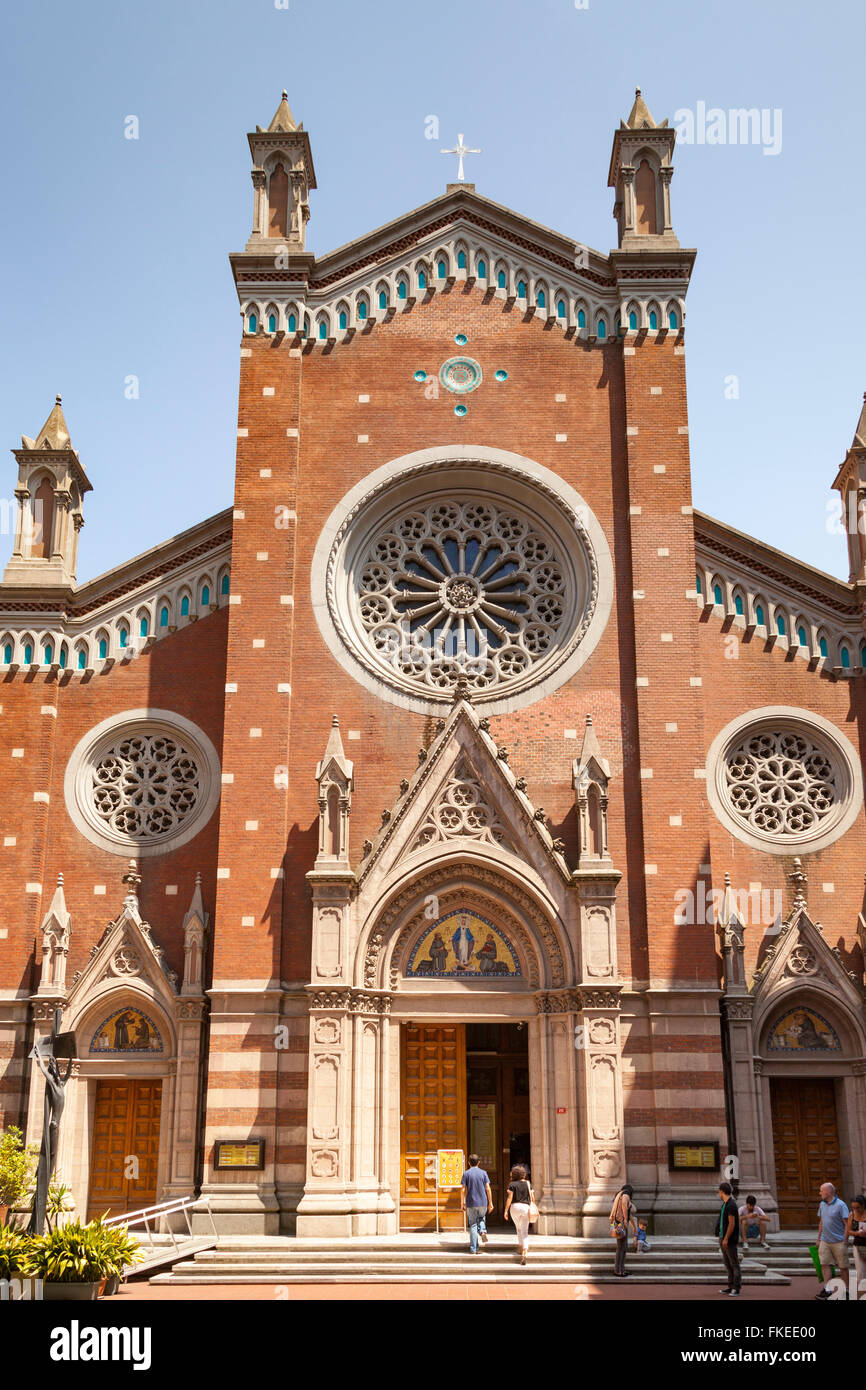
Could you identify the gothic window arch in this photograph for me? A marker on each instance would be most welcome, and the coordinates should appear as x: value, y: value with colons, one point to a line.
x: 41, y: 490
x: 646, y: 194
x: 278, y: 200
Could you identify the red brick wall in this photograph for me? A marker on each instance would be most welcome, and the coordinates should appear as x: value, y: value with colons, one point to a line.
x: 520, y: 415
x: 183, y: 673
x: 740, y: 674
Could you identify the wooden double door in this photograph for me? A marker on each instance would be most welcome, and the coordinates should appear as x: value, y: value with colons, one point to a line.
x: 463, y: 1086
x: 806, y: 1145
x: 124, y: 1154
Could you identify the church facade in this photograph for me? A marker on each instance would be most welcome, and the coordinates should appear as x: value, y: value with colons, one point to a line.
x: 462, y: 787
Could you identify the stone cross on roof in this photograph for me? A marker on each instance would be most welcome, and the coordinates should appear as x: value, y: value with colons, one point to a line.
x: 460, y: 150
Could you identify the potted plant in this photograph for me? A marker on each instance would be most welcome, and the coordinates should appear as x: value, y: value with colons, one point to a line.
x: 59, y: 1204
x: 123, y: 1250
x: 17, y: 1164
x: 13, y: 1248
x: 71, y: 1261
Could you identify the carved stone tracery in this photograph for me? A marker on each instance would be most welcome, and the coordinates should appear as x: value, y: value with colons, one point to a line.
x: 462, y: 809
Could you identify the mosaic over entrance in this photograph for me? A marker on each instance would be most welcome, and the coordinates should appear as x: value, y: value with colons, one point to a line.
x: 462, y: 945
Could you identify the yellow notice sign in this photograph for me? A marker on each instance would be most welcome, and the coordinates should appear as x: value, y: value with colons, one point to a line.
x: 242, y: 1155
x: 694, y: 1156
x: 450, y: 1167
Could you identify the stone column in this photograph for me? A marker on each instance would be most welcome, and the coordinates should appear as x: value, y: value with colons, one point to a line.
x: 666, y: 173
x: 744, y: 1081
x: 628, y: 204
x: 190, y: 1022
x: 23, y: 528
x: 260, y: 202
x: 556, y: 1114
x: 598, y: 1049
x: 346, y: 1191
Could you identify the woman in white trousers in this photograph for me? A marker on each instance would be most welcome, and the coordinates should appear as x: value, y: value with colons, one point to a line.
x: 520, y: 1196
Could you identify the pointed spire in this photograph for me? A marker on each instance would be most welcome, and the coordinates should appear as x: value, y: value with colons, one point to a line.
x: 57, y: 907
x: 591, y: 750
x: 283, y: 118
x: 859, y: 441
x: 196, y: 905
x: 640, y: 118
x: 335, y: 753
x: 54, y: 433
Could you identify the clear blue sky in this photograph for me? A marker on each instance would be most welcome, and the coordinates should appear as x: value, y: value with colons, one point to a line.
x: 115, y: 250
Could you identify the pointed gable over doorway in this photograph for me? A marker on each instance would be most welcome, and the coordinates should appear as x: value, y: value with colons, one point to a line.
x: 464, y: 790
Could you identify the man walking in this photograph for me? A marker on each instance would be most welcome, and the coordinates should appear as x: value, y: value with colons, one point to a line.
x: 832, y: 1242
x: 476, y: 1200
x: 729, y: 1238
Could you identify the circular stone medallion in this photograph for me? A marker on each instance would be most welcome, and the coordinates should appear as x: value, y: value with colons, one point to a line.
x: 460, y: 374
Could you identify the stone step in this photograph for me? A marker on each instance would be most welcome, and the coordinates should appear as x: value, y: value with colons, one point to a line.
x: 423, y: 1257
x: 435, y: 1274
x: 458, y: 1252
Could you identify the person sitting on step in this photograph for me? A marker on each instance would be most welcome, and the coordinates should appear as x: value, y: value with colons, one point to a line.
x: 753, y: 1223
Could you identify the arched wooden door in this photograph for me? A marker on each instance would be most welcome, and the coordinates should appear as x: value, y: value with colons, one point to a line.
x: 432, y: 1117
x: 124, y: 1155
x: 806, y: 1144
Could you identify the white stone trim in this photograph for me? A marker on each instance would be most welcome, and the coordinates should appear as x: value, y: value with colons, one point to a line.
x: 824, y: 732
x: 103, y: 734
x: 126, y: 611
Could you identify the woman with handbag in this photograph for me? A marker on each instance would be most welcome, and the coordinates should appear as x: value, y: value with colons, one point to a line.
x: 621, y: 1217
x: 521, y: 1203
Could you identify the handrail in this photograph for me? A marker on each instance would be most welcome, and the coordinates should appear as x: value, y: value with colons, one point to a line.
x: 156, y: 1214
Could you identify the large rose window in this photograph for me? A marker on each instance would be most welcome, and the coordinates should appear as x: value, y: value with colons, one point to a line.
x: 479, y: 569
x: 462, y: 586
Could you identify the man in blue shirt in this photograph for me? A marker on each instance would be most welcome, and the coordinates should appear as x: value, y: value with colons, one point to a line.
x: 476, y: 1200
x: 832, y: 1243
